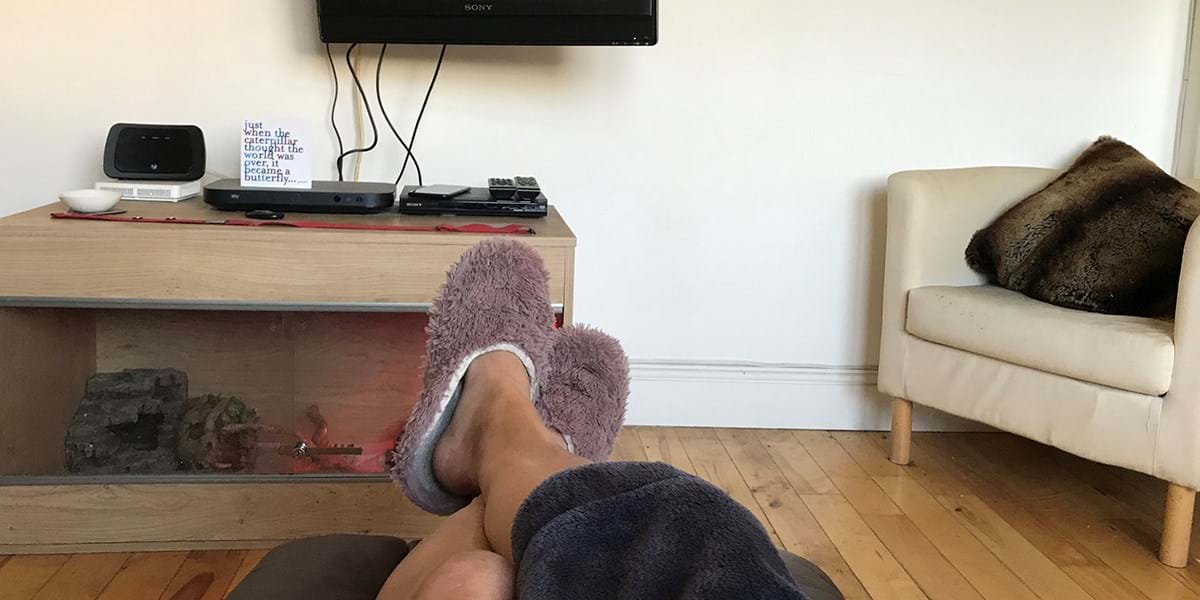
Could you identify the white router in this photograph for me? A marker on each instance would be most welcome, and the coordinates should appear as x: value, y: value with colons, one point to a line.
x: 158, y: 191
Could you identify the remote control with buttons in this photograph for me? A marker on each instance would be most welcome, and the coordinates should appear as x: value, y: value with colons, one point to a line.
x: 501, y: 188
x: 527, y: 188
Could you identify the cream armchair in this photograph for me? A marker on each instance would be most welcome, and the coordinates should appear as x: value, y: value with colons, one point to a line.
x: 1123, y: 391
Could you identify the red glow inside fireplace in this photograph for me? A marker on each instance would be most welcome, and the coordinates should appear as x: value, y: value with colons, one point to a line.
x: 147, y: 394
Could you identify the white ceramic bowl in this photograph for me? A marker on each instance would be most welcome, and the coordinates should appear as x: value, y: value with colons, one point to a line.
x: 90, y: 201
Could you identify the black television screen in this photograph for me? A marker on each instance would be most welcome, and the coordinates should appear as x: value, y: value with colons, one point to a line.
x: 493, y: 22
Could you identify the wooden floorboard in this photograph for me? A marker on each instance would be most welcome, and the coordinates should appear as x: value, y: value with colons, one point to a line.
x: 974, y: 517
x: 83, y: 577
x: 938, y: 468
x: 663, y: 444
x: 22, y: 577
x: 629, y: 446
x: 1061, y: 503
x: 204, y: 575
x: 713, y: 464
x: 144, y: 575
x: 251, y: 560
x: 795, y: 526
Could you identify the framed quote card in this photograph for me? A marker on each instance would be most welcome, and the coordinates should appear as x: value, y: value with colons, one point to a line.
x: 275, y: 153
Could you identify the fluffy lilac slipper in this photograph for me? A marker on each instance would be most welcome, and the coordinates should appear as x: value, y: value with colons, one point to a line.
x: 584, y: 391
x: 496, y: 298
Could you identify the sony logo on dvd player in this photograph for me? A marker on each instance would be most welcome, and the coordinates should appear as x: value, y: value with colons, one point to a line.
x: 478, y: 7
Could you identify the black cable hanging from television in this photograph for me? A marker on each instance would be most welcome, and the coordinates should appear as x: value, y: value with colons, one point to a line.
x: 410, y: 145
x: 412, y: 139
x: 388, y: 120
x: 333, y: 110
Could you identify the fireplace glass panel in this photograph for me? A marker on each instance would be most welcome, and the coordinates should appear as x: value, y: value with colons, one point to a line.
x: 110, y: 394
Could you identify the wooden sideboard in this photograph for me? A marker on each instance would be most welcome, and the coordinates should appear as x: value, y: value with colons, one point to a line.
x: 275, y: 315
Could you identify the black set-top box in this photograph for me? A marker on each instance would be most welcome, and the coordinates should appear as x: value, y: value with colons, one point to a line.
x: 323, y: 197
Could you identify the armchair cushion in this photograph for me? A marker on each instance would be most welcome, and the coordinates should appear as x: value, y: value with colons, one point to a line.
x: 1107, y: 236
x: 1134, y: 354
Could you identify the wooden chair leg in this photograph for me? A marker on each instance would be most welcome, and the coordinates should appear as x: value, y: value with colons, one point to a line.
x: 1177, y: 526
x: 901, y: 430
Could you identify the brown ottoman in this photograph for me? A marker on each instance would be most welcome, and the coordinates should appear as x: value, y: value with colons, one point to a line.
x: 354, y: 567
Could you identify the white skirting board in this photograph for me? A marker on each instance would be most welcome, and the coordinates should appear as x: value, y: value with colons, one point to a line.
x: 732, y: 394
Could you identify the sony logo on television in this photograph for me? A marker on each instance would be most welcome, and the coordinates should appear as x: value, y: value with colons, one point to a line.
x: 478, y: 7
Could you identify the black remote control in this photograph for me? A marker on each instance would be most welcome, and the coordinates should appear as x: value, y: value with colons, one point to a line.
x: 265, y: 215
x: 528, y: 188
x: 502, y: 189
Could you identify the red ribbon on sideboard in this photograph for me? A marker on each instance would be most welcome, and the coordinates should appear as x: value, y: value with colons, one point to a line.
x: 475, y: 228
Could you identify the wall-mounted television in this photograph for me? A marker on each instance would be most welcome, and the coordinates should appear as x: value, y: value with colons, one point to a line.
x: 490, y: 22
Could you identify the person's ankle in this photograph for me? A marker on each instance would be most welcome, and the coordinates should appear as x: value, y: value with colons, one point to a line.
x: 492, y: 382
x: 496, y: 423
x: 516, y: 432
x: 498, y: 372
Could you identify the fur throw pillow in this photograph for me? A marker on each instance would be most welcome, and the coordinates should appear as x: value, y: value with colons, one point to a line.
x: 1107, y: 236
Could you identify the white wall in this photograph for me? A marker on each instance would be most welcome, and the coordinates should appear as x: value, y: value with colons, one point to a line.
x: 725, y: 185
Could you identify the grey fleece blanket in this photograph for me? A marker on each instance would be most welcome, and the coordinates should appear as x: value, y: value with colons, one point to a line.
x: 643, y: 531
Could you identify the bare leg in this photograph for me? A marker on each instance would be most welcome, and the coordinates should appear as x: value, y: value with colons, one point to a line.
x: 458, y: 535
x: 497, y: 446
x: 477, y: 575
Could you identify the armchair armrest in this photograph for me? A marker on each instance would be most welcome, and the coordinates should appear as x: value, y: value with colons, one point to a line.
x: 931, y: 218
x: 1177, y: 457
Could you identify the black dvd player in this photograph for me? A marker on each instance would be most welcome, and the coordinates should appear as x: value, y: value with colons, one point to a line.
x: 477, y: 202
x: 324, y: 197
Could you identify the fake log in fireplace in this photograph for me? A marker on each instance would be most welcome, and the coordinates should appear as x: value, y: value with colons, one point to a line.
x: 142, y: 422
